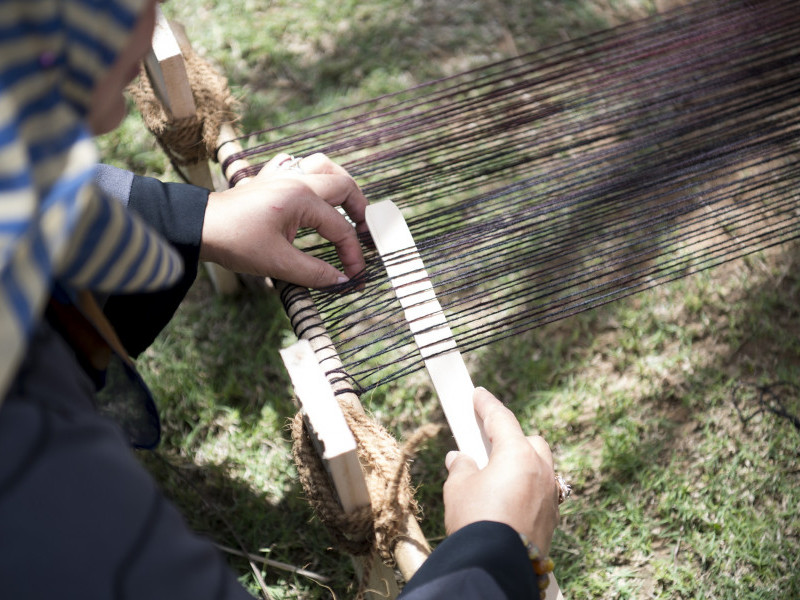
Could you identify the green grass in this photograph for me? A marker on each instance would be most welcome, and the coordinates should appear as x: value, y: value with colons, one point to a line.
x: 675, y: 496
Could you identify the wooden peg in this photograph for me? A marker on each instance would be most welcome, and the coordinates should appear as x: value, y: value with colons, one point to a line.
x: 432, y: 334
x: 166, y: 68
x: 333, y: 437
x: 337, y: 448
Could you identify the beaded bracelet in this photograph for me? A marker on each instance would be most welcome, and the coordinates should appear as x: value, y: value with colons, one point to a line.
x: 541, y: 565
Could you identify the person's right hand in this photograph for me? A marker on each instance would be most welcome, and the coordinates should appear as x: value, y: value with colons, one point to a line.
x: 250, y: 227
x: 518, y: 485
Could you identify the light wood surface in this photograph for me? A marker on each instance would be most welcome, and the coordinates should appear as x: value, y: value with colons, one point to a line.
x: 337, y: 448
x: 432, y: 334
x: 427, y: 322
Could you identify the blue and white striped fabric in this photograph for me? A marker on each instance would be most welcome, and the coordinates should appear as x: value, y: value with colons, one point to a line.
x: 54, y: 224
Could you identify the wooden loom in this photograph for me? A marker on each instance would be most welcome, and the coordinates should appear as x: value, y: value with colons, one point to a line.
x: 312, y: 361
x: 305, y: 318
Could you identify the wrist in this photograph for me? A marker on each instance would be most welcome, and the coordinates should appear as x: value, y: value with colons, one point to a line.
x: 541, y: 564
x: 209, y: 238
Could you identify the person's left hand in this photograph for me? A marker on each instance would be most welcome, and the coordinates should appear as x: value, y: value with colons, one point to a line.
x: 250, y: 227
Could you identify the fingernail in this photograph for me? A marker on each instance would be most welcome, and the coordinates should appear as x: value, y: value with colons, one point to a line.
x: 450, y: 458
x: 342, y: 279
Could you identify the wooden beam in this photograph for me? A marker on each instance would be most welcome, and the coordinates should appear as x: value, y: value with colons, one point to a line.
x: 429, y: 326
x: 166, y: 68
x: 337, y: 448
x: 227, y: 147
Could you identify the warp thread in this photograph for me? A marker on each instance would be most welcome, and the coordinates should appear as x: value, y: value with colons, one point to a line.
x: 190, y: 139
x: 582, y: 173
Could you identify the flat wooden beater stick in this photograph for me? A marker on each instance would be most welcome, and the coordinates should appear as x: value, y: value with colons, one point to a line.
x: 432, y: 334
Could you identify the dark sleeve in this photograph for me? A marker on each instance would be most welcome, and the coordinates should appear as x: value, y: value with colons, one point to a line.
x: 176, y: 211
x: 482, y: 560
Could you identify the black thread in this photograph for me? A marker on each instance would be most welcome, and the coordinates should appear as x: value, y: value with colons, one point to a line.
x: 573, y: 176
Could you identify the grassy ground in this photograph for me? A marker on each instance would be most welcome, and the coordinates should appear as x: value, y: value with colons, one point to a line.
x: 645, y: 402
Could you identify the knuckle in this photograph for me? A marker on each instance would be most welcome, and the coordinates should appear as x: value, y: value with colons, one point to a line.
x: 316, y: 163
x: 320, y: 274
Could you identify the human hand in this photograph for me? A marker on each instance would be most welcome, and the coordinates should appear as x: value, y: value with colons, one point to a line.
x: 250, y: 227
x: 517, y: 487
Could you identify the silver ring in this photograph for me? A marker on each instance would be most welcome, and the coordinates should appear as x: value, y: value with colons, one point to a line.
x: 564, y: 489
x: 291, y: 164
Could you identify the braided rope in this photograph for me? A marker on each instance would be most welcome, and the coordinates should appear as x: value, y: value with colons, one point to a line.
x: 369, y: 529
x: 190, y: 139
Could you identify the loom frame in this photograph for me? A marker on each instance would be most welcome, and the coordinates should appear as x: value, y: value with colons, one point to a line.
x: 166, y: 68
x: 167, y: 71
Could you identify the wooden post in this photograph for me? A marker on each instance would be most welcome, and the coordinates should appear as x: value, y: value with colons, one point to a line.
x: 337, y: 448
x: 411, y: 548
x: 166, y: 68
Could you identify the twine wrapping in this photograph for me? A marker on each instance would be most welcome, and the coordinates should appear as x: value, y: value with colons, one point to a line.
x: 190, y: 139
x: 373, y: 528
x: 385, y: 466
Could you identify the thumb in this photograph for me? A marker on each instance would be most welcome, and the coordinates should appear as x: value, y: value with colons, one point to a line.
x: 459, y: 464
